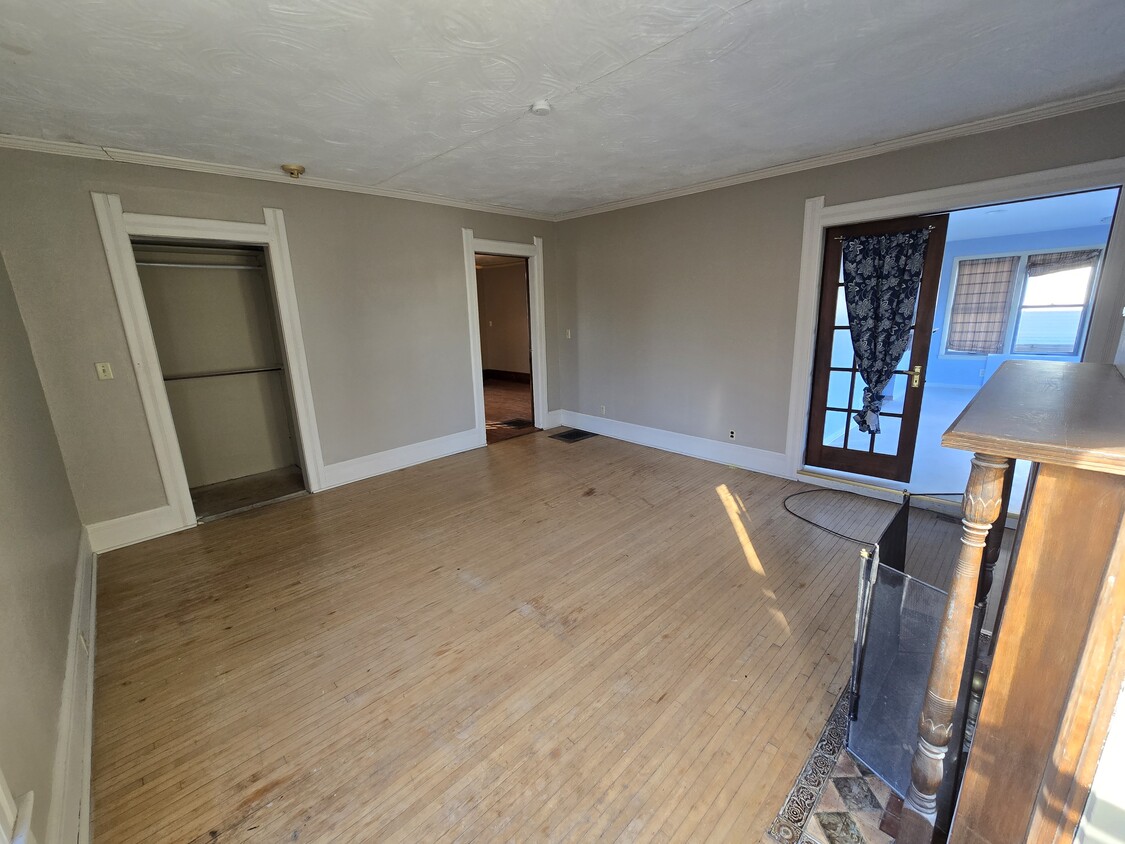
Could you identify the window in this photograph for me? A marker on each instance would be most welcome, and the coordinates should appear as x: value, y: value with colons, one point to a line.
x: 982, y: 301
x: 1026, y: 304
x: 1053, y: 308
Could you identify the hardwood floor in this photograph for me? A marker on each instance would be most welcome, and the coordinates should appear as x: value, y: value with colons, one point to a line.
x: 503, y: 401
x: 535, y: 641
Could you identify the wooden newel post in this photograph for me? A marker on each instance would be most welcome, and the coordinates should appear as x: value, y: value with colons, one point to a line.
x: 981, y: 507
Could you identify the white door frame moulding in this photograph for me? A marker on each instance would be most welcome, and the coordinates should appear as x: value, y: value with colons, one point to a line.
x: 1105, y: 321
x: 117, y: 227
x: 537, y: 314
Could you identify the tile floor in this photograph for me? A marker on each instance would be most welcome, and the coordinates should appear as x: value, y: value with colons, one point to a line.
x: 850, y: 807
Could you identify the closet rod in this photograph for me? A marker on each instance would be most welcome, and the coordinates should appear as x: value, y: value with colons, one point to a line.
x: 199, y: 266
x: 223, y: 372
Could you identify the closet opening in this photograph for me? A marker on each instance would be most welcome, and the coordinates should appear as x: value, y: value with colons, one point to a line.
x: 215, y: 326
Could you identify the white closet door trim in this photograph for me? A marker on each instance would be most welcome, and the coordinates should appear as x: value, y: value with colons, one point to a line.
x: 292, y: 338
x: 142, y: 349
x: 117, y: 227
x: 537, y: 314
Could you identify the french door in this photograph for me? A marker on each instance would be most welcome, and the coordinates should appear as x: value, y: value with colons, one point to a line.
x: 834, y: 439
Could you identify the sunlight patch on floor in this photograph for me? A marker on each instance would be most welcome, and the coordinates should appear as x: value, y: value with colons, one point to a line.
x: 736, y: 510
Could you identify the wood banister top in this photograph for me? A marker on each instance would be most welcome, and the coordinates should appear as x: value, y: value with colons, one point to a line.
x: 1070, y: 414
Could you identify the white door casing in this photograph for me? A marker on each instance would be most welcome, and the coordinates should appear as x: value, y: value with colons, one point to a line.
x: 117, y: 228
x: 534, y: 253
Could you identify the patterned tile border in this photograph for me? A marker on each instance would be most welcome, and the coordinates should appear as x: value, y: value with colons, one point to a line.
x: 789, y: 825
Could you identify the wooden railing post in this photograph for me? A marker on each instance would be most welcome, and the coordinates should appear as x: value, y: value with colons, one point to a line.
x: 981, y: 507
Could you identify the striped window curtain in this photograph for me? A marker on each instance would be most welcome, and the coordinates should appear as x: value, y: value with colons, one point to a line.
x: 982, y: 301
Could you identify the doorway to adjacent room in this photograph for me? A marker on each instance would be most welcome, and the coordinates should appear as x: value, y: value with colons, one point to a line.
x: 1011, y: 281
x: 503, y: 304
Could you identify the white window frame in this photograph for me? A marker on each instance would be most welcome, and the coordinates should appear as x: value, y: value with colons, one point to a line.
x: 1016, y: 306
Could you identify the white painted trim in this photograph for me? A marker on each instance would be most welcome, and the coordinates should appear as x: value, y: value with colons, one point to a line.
x: 142, y: 349
x: 350, y: 471
x: 272, y: 235
x: 117, y: 227
x: 134, y: 528
x: 8, y: 809
x: 536, y: 314
x: 476, y: 365
x: 70, y: 782
x: 804, y: 338
x: 730, y: 454
x: 554, y: 419
x: 15, y: 816
x: 818, y: 217
x: 537, y: 307
x: 1092, y: 175
x: 976, y: 127
x: 293, y: 345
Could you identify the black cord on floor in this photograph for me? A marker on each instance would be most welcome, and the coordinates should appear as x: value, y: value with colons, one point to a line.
x: 785, y: 504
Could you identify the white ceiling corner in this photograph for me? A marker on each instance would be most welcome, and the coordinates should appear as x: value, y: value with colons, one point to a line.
x: 430, y: 97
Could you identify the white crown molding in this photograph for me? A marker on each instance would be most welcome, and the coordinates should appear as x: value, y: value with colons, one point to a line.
x: 975, y: 127
x: 149, y: 159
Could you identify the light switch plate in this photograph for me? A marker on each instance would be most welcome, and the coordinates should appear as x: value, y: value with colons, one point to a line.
x: 105, y: 371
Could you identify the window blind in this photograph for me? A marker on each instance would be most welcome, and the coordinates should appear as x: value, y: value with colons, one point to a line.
x: 982, y: 301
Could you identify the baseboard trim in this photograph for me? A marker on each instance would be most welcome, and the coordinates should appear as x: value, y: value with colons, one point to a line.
x: 730, y: 454
x: 68, y: 816
x: 350, y: 471
x: 554, y: 420
x: 136, y: 527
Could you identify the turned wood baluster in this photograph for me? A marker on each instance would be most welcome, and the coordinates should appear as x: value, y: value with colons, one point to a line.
x: 980, y: 508
x: 995, y: 538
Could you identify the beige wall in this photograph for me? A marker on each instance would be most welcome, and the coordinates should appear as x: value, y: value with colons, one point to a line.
x: 504, y: 322
x: 380, y: 285
x: 39, y: 535
x: 685, y: 309
x: 682, y: 311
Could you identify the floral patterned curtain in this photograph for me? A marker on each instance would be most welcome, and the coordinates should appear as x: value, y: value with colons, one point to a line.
x: 882, y: 274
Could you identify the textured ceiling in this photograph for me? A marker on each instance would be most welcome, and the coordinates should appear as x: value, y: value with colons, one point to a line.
x: 432, y: 95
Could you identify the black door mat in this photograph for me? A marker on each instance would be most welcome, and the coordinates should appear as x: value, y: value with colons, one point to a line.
x: 517, y: 423
x: 572, y: 436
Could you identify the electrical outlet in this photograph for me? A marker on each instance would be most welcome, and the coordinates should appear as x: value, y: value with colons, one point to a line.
x: 603, y: 410
x: 104, y: 370
x: 731, y: 435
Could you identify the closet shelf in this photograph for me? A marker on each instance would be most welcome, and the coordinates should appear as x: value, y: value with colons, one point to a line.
x: 223, y: 372
x: 199, y: 266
